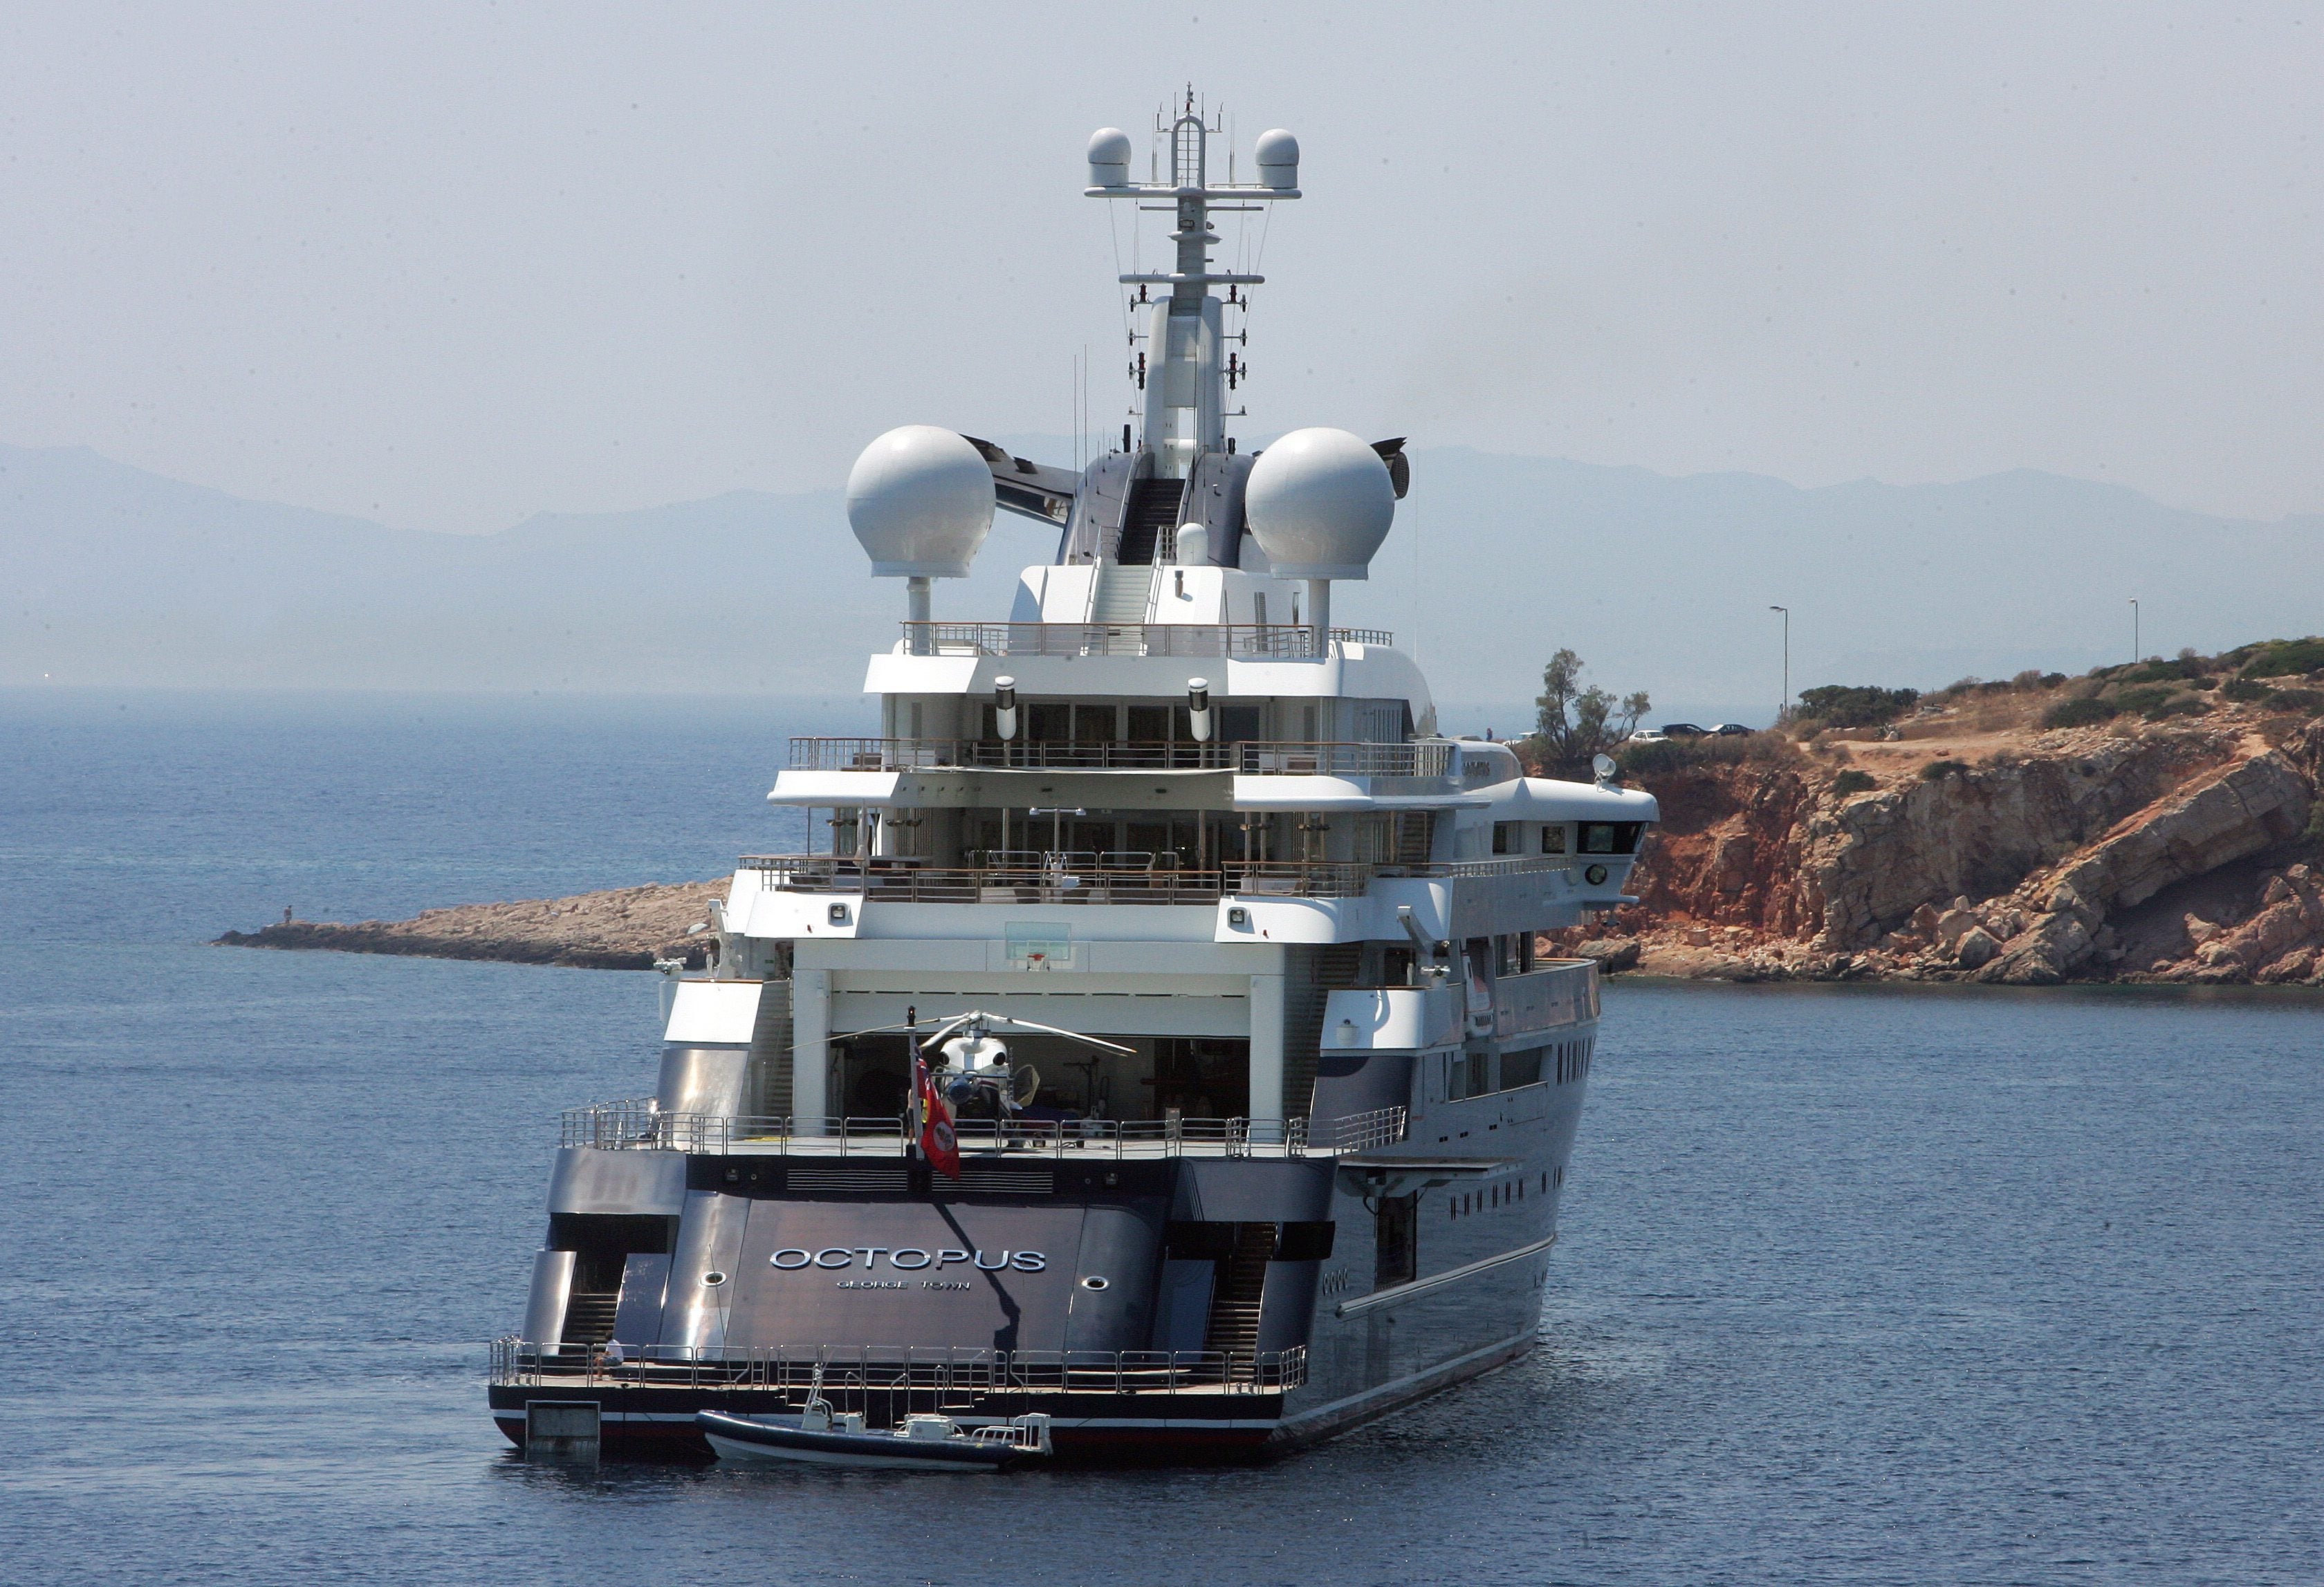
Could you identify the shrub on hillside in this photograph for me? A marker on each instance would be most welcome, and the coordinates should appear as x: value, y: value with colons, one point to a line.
x: 1852, y: 781
x: 2245, y: 690
x: 2179, y: 705
x: 1860, y: 706
x: 2078, y: 713
x: 1646, y: 760
x: 2162, y: 672
x: 1938, y: 770
x: 2143, y: 698
x: 2280, y: 657
x: 1670, y: 755
x: 2309, y: 701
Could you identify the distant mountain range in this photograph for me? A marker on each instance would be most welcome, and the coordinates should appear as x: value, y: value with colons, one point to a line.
x: 118, y: 577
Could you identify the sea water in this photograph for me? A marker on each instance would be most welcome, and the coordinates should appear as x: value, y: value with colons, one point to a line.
x: 1854, y: 1284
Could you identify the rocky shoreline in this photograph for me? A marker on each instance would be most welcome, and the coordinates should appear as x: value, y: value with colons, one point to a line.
x: 625, y: 929
x: 2180, y: 852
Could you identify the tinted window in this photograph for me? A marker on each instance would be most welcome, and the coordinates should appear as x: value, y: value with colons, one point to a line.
x: 1239, y: 724
x: 1611, y: 836
x: 1552, y: 840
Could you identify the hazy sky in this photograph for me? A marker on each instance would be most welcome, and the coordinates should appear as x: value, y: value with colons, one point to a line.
x: 449, y: 266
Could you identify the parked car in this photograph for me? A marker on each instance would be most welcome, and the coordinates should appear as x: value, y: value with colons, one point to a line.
x: 1731, y: 730
x: 1682, y: 730
x: 1646, y: 735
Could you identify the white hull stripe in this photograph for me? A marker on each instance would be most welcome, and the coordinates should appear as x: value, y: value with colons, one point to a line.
x: 1418, y: 1286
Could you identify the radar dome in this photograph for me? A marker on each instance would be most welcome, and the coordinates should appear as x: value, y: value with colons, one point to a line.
x: 1278, y: 159
x: 921, y: 500
x: 1320, y: 503
x: 1109, y: 157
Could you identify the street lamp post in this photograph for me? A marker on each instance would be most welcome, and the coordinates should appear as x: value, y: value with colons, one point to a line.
x: 1785, y: 705
x: 2134, y: 630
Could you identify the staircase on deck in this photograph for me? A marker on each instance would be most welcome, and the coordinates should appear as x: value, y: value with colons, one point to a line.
x: 1120, y: 597
x: 589, y: 1319
x: 1236, y: 1293
x: 1153, y: 506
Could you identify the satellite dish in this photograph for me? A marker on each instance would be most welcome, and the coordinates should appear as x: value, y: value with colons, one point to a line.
x: 1109, y: 157
x: 921, y: 500
x: 1320, y: 502
x: 1278, y: 159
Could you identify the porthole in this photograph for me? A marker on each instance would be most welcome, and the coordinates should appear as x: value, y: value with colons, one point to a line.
x: 1595, y: 876
x: 714, y: 1279
x: 1093, y: 1282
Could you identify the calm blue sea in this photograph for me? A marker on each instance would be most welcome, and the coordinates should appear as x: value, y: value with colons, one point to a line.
x: 1857, y: 1284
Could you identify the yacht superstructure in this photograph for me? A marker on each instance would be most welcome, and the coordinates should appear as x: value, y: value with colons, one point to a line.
x: 1221, y: 960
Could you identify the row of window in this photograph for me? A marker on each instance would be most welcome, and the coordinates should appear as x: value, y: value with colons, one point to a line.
x: 1471, y: 1202
x: 1573, y: 1061
x: 1481, y: 1074
x: 1106, y: 721
x: 1549, y: 837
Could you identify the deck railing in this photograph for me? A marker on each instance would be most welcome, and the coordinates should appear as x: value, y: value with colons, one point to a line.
x: 851, y: 1373
x: 1078, y: 877
x: 639, y: 1125
x: 1195, y: 641
x: 1426, y: 758
x: 1063, y: 878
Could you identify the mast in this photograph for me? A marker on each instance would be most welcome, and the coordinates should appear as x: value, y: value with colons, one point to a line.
x: 1184, y: 375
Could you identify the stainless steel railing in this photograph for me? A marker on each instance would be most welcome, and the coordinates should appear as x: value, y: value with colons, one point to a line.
x: 638, y: 1124
x: 881, y: 1369
x: 1250, y: 758
x: 1090, y: 879
x: 1270, y: 641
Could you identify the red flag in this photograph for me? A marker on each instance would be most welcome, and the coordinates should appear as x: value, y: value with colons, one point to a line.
x: 937, y: 1143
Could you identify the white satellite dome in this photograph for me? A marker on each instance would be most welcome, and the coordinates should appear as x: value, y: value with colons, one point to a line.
x: 1320, y: 503
x: 1109, y: 157
x: 1278, y: 159
x: 921, y: 500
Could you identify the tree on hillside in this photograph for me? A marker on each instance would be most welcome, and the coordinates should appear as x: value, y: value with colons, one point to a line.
x: 1574, y: 722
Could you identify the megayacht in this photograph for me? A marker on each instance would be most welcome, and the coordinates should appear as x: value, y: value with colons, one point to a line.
x: 1219, y: 956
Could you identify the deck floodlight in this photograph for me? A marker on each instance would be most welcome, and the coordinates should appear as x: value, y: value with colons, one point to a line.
x: 1604, y: 765
x: 1004, y: 707
x: 1198, y: 708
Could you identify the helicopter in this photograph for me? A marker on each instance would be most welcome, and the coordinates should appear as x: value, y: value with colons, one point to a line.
x: 970, y: 1066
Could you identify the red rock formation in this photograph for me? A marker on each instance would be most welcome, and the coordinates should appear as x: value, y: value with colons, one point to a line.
x: 2167, y: 851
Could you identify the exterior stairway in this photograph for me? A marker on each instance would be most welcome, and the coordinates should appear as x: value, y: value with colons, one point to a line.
x: 589, y: 1319
x: 1235, y: 1295
x: 1153, y: 508
x: 1120, y: 597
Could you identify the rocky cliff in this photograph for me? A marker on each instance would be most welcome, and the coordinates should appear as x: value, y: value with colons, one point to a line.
x: 1971, y: 842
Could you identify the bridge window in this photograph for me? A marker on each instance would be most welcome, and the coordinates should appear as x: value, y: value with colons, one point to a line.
x: 1611, y: 836
x: 1552, y: 840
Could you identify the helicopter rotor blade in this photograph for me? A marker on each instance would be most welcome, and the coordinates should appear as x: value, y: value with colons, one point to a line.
x: 1068, y: 1035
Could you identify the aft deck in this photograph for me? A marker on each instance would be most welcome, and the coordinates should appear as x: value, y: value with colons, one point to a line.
x: 639, y: 1125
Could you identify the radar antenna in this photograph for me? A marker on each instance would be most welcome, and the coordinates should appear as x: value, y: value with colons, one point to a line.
x: 1187, y: 369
